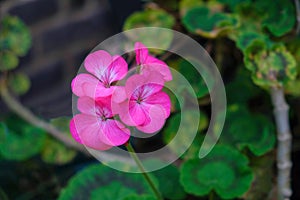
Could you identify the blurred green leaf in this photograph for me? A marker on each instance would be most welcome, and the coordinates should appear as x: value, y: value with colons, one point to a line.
x: 114, y: 190
x: 139, y: 197
x: 243, y: 129
x: 19, y: 83
x: 232, y: 4
x: 208, y: 23
x: 8, y: 61
x: 223, y: 170
x: 14, y: 36
x: 54, y: 152
x: 150, y: 18
x: 94, y: 177
x: 19, y: 140
x: 185, y: 121
x: 279, y: 15
x: 194, y: 78
x: 168, y: 178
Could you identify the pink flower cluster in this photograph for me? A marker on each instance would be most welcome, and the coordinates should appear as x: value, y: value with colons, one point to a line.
x: 140, y: 103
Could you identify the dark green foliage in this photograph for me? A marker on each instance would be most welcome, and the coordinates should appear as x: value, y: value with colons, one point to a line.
x: 243, y: 129
x: 15, y: 41
x: 86, y: 183
x: 19, y: 140
x: 223, y: 170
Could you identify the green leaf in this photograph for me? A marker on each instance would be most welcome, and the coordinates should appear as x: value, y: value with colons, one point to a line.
x: 280, y: 16
x: 247, y: 38
x: 151, y: 18
x: 168, y: 178
x: 208, y: 23
x: 14, y: 36
x: 223, y: 170
x: 171, y: 129
x: 54, y: 152
x: 270, y: 68
x: 140, y: 197
x: 194, y: 78
x: 114, y: 190
x: 20, y: 142
x: 8, y: 61
x: 243, y: 129
x: 232, y: 4
x: 19, y: 83
x: 85, y: 183
x: 242, y: 88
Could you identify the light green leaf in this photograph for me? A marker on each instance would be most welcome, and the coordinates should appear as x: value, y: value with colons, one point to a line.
x: 14, y: 36
x: 151, y: 18
x: 223, y: 170
x: 8, y: 61
x: 270, y: 68
x: 19, y: 83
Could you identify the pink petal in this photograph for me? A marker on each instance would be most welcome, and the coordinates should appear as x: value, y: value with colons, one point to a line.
x: 154, y: 64
x: 137, y: 113
x: 162, y: 99
x: 74, y: 132
x: 82, y: 81
x: 89, y: 106
x: 119, y: 94
x: 137, y: 81
x: 86, y: 129
x: 86, y: 105
x: 97, y: 63
x: 123, y: 110
x: 157, y: 120
x: 114, y: 133
x: 117, y: 69
x: 141, y: 52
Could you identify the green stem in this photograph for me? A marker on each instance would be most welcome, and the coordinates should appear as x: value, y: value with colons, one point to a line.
x: 144, y: 173
x: 211, y: 195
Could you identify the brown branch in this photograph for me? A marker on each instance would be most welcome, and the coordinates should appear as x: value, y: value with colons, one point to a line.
x: 15, y: 106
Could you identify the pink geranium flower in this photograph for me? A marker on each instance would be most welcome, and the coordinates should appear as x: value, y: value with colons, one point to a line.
x: 95, y: 126
x: 142, y: 103
x: 149, y: 63
x: 105, y: 70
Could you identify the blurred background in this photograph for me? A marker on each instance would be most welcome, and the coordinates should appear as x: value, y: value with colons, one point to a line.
x: 63, y: 33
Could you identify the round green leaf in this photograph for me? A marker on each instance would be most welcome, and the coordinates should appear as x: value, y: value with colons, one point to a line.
x: 243, y: 129
x: 223, y: 170
x: 54, y: 152
x: 270, y: 68
x: 151, y: 18
x: 20, y: 142
x: 86, y: 183
x: 14, y: 36
x: 281, y: 16
x: 114, y: 190
x: 19, y: 83
x: 139, y: 197
x: 8, y: 61
x: 208, y: 23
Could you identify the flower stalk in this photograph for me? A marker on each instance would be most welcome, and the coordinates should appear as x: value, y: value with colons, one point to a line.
x: 284, y: 137
x: 142, y: 169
